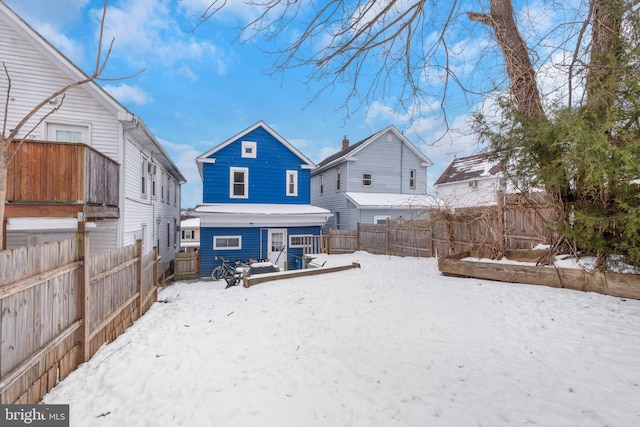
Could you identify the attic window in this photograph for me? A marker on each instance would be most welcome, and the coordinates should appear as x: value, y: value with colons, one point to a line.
x: 249, y: 149
x: 412, y: 179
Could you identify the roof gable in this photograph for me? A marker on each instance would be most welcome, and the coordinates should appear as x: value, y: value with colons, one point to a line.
x: 478, y: 166
x: 75, y: 74
x: 207, y: 156
x: 343, y: 155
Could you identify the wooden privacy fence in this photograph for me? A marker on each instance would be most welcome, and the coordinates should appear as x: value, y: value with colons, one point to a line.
x: 187, y: 266
x: 59, y: 304
x: 515, y: 223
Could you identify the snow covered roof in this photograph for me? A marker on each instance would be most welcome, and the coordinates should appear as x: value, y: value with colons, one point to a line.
x: 261, y: 208
x: 467, y: 168
x: 190, y: 223
x: 390, y: 200
x: 261, y: 214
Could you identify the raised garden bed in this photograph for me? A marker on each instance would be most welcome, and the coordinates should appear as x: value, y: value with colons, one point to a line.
x: 609, y: 283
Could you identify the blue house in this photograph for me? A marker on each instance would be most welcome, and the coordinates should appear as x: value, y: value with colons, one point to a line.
x: 256, y: 201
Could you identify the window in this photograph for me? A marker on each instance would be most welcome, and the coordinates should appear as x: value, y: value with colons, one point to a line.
x: 143, y: 177
x: 227, y: 242
x: 169, y: 182
x: 168, y: 234
x: 153, y: 181
x: 412, y: 178
x: 175, y: 193
x: 338, y: 220
x: 239, y: 183
x: 67, y: 133
x: 249, y: 149
x: 292, y: 183
x: 321, y: 184
x: 68, y: 136
x: 162, y: 187
x: 338, y: 180
x: 188, y: 234
x: 380, y: 219
x: 300, y: 240
x: 366, y: 180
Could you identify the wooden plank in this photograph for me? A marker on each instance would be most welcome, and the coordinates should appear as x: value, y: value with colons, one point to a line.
x: 254, y: 280
x: 29, y: 282
x: 33, y: 358
x: 615, y: 284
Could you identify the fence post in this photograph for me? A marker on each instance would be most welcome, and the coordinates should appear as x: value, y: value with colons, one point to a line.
x: 139, y: 277
x: 358, y: 237
x: 387, y: 234
x: 84, y: 293
x: 501, y: 225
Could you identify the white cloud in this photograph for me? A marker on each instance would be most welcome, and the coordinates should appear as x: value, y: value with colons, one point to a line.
x: 126, y: 94
x: 148, y: 31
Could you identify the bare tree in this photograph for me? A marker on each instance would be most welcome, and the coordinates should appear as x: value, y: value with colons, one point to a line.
x: 10, y: 135
x: 371, y: 44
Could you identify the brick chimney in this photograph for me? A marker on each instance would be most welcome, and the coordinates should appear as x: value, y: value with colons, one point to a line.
x: 345, y: 142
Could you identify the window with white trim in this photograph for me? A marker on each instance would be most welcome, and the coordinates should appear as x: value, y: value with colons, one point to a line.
x: 162, y: 187
x: 321, y: 184
x: 249, y: 149
x: 153, y: 169
x: 412, y: 179
x: 381, y: 219
x: 227, y: 242
x: 239, y: 183
x: 366, y: 180
x: 143, y: 176
x: 300, y: 240
x: 61, y: 132
x: 188, y: 234
x: 338, y: 173
x: 292, y: 183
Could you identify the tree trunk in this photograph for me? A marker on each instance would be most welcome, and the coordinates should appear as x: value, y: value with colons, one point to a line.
x: 4, y: 166
x: 606, y: 48
x: 519, y: 68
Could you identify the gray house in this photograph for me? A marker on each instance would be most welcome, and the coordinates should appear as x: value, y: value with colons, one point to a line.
x: 383, y: 176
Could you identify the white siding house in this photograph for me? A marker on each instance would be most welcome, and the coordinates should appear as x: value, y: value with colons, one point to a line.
x: 88, y: 118
x: 471, y: 181
x: 382, y: 176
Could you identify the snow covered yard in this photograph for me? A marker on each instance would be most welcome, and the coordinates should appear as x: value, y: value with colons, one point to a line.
x: 390, y: 344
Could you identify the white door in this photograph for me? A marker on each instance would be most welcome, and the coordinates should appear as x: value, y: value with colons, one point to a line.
x: 277, y: 246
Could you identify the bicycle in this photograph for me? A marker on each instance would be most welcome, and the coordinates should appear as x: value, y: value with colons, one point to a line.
x: 232, y: 274
x: 223, y: 270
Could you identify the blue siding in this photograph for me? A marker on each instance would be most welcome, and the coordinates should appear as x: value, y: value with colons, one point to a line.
x: 267, y: 172
x: 254, y: 245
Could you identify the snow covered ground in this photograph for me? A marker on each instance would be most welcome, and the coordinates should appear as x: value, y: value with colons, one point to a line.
x: 390, y: 344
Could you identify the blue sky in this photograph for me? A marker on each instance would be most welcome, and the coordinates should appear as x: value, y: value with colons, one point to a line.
x: 200, y: 88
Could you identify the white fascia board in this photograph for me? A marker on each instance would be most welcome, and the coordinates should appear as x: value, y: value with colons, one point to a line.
x: 42, y: 224
x: 261, y: 220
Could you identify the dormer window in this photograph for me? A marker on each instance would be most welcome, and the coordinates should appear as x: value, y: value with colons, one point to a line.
x: 249, y: 149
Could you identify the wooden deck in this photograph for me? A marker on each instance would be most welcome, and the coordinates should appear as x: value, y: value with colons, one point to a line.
x: 61, y: 179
